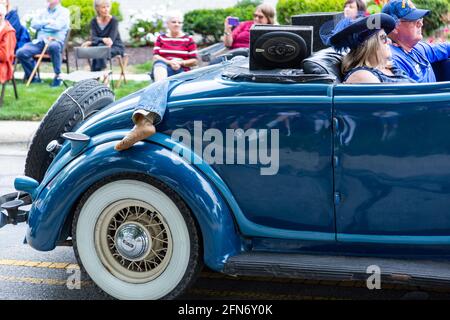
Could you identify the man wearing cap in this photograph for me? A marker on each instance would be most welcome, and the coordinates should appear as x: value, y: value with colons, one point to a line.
x: 409, y: 53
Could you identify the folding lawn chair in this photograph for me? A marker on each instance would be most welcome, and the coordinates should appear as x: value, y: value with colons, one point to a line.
x: 101, y: 52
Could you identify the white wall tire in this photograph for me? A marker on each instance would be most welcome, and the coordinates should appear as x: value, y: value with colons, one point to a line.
x: 117, y: 272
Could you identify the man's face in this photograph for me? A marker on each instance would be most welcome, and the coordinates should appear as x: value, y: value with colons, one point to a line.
x: 410, y: 32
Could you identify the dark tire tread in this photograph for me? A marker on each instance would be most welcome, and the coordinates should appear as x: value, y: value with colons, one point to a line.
x: 62, y: 117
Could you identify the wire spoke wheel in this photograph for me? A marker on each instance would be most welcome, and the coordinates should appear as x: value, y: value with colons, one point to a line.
x: 136, y: 238
x: 133, y: 241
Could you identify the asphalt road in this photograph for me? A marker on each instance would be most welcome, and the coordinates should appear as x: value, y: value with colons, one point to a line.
x: 26, y: 274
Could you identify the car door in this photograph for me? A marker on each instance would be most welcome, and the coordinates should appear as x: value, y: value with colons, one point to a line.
x: 392, y: 174
x: 295, y: 200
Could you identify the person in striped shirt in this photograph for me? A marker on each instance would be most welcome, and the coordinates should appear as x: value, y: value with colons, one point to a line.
x: 174, y: 52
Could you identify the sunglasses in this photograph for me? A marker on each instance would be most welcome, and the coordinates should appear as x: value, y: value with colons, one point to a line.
x: 259, y: 16
x: 384, y: 38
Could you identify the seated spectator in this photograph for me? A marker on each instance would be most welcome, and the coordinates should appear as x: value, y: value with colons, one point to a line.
x: 237, y: 40
x: 51, y: 26
x: 174, y: 52
x: 104, y: 32
x: 22, y: 34
x: 368, y: 59
x: 7, y: 45
x: 354, y: 9
x: 240, y: 36
x: 409, y: 52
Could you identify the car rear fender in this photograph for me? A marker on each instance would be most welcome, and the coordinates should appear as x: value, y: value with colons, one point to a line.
x: 58, y: 199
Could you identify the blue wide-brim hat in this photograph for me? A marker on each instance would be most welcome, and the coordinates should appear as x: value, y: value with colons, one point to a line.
x: 350, y: 34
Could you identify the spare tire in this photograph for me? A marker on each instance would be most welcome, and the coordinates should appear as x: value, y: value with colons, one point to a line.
x: 73, y: 106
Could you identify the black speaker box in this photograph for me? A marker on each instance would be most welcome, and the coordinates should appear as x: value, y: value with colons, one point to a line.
x: 279, y: 47
x: 316, y: 20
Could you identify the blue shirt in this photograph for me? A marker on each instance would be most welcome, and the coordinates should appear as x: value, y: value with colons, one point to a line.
x: 417, y: 63
x: 52, y: 23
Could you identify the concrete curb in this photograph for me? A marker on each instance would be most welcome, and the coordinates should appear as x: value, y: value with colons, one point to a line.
x: 17, y: 132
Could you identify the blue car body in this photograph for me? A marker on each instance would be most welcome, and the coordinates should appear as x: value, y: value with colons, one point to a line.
x: 361, y: 167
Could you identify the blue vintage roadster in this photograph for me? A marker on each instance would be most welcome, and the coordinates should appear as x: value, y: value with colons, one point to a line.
x: 362, y: 179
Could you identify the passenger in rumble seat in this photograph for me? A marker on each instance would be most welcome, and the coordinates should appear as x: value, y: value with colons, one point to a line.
x: 368, y: 58
x: 409, y: 52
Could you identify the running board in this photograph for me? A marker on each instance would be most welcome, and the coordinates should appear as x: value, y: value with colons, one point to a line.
x: 339, y: 268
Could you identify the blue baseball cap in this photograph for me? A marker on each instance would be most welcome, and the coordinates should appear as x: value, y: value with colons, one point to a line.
x: 404, y: 9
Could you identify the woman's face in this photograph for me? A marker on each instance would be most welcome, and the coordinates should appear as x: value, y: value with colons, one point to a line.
x: 260, y: 18
x: 386, y: 52
x: 175, y: 25
x: 351, y: 10
x: 103, y: 10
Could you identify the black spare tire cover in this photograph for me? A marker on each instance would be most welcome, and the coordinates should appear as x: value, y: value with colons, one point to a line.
x: 73, y: 106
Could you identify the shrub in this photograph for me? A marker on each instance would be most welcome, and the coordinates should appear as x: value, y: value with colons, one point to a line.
x: 438, y: 17
x: 248, y: 3
x: 209, y: 23
x: 82, y: 12
x: 145, y: 28
x: 288, y: 8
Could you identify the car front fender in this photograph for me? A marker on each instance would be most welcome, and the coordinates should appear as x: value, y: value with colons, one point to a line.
x: 59, y: 197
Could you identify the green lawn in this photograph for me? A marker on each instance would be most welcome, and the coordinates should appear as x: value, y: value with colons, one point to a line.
x: 35, y: 100
x: 141, y: 68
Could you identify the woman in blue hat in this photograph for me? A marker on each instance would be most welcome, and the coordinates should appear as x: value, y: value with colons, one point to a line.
x: 369, y: 56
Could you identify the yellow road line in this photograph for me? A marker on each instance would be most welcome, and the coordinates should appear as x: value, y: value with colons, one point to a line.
x: 214, y: 275
x: 203, y: 292
x: 50, y: 282
x: 39, y: 264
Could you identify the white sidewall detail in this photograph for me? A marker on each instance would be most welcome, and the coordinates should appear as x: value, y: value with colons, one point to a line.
x: 91, y: 211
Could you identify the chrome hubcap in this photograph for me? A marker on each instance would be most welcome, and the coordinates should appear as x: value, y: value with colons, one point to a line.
x: 133, y: 241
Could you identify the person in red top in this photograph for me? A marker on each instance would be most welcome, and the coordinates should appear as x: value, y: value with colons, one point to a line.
x: 174, y: 52
x: 7, y: 46
x: 240, y: 36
